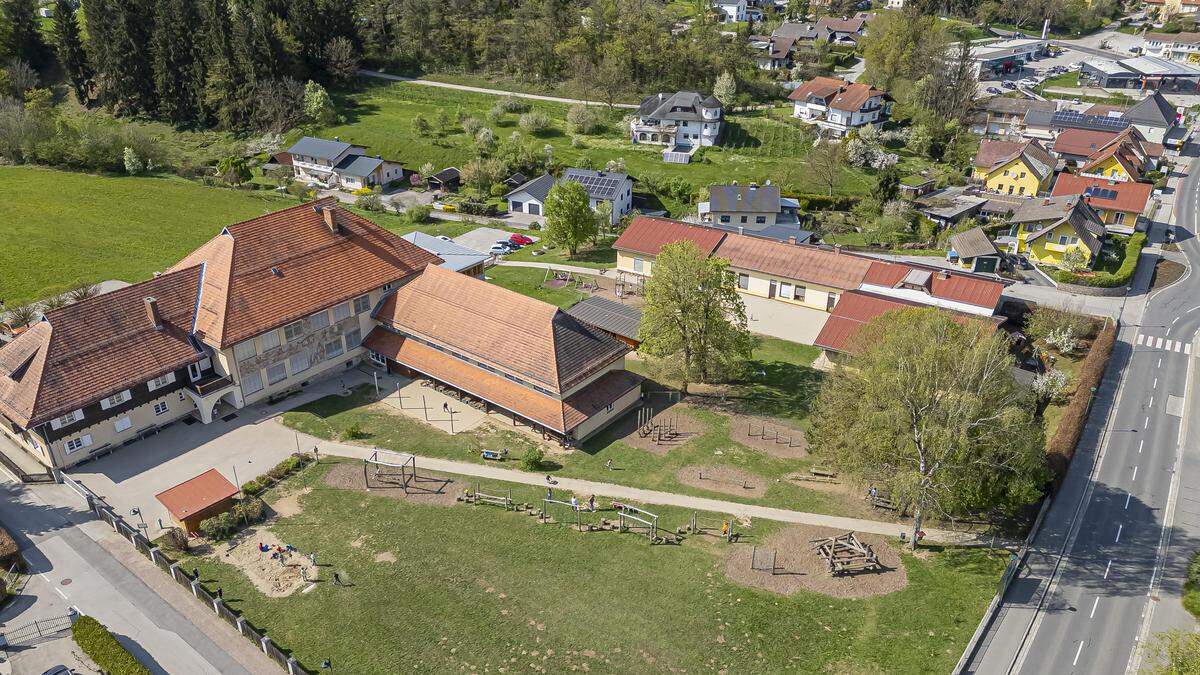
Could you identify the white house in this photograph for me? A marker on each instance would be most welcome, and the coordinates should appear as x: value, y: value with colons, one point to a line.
x: 732, y: 10
x: 838, y: 106
x: 339, y: 164
x: 603, y: 186
x: 530, y: 197
x: 682, y: 121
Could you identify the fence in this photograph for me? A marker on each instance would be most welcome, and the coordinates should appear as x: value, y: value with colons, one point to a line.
x: 189, y: 582
x: 46, y: 477
x: 36, y: 630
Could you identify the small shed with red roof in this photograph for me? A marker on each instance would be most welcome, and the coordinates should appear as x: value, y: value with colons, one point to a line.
x: 196, y: 499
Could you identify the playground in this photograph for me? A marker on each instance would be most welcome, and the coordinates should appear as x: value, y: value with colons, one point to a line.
x: 722, y: 478
x: 482, y: 587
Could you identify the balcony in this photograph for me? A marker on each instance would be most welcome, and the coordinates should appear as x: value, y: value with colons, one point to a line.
x: 210, y: 383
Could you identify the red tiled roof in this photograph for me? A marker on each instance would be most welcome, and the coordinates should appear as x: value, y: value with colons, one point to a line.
x: 943, y: 284
x: 648, y: 235
x: 1126, y: 147
x: 855, y: 309
x: 520, y: 336
x: 92, y: 349
x: 794, y: 261
x: 837, y: 93
x: 196, y: 494
x: 266, y: 272
x: 821, y: 87
x: 1082, y: 142
x: 560, y: 416
x: 1131, y: 197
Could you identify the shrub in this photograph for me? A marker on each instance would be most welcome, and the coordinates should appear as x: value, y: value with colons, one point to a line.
x: 512, y: 104
x: 534, y: 122
x: 471, y: 126
x: 353, y: 432
x: 585, y: 119
x: 1191, y: 586
x: 1045, y: 321
x: 361, y: 191
x: 253, y: 487
x: 370, y: 202
x: 418, y: 213
x: 532, y: 459
x: 811, y: 202
x: 1050, y: 385
x: 177, y: 539
x: 1061, y: 447
x: 248, y: 511
x: 99, y: 644
x: 1123, y: 275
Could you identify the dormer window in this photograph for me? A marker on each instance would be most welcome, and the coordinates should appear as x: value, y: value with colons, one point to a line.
x: 160, y: 382
x: 115, y: 400
x: 66, y: 420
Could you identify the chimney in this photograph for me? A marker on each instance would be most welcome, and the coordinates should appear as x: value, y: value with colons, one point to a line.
x: 792, y: 241
x: 153, y: 314
x: 330, y: 221
x: 945, y: 274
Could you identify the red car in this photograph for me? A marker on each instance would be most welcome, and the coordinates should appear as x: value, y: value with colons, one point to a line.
x: 520, y: 239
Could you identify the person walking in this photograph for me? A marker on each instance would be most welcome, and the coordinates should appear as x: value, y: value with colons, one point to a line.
x: 312, y: 558
x: 337, y: 579
x: 592, y: 503
x: 608, y: 464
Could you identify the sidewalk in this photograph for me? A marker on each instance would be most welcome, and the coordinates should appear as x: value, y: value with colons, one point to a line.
x: 482, y: 90
x: 493, y: 472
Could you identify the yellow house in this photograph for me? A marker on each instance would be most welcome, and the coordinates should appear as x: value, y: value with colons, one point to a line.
x: 1125, y: 158
x: 1048, y: 229
x: 1014, y: 168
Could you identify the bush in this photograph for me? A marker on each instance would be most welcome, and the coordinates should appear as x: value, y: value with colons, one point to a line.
x: 418, y: 213
x: 532, y: 459
x: 1046, y: 321
x: 370, y: 202
x: 811, y: 202
x: 476, y: 208
x: 277, y: 472
x: 585, y: 119
x: 1191, y: 586
x: 512, y: 104
x: 361, y: 191
x: 1123, y: 275
x: 177, y: 539
x: 353, y: 432
x: 248, y: 511
x: 1061, y: 447
x: 100, y: 645
x: 534, y: 122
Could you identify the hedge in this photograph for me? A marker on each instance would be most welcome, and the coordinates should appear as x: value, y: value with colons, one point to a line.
x: 276, y: 473
x: 1061, y: 447
x: 1133, y: 250
x: 1191, y: 586
x: 813, y: 202
x: 100, y: 645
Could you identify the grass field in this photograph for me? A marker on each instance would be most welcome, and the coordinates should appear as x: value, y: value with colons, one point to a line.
x: 759, y: 146
x: 62, y: 227
x: 529, y: 281
x: 484, y: 590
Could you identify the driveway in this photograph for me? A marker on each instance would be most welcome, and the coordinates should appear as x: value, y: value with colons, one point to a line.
x: 481, y: 238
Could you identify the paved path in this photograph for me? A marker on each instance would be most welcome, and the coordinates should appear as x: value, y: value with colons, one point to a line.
x: 483, y: 90
x: 494, y: 472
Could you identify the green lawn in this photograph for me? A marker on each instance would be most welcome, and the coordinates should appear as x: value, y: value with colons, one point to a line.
x: 603, y: 255
x: 1068, y: 79
x: 530, y: 281
x: 759, y: 146
x: 63, y: 227
x: 484, y: 590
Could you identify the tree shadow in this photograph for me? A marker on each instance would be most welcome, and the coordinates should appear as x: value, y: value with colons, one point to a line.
x: 143, y: 657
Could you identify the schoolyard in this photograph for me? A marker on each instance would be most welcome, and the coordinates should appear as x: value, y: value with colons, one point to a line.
x: 432, y: 584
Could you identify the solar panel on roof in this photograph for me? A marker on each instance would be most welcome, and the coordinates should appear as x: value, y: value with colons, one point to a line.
x: 1100, y: 193
x: 1081, y: 121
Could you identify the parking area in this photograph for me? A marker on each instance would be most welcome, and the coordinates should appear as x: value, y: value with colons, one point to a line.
x: 481, y: 238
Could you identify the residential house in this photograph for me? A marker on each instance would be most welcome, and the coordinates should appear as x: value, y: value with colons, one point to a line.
x: 1123, y: 206
x: 754, y: 209
x: 1184, y: 46
x: 949, y: 206
x: 1158, y: 121
x: 844, y: 31
x: 802, y: 283
x: 1076, y: 146
x: 1045, y: 125
x: 1002, y: 116
x: 974, y: 252
x: 531, y: 196
x: 1162, y: 10
x: 339, y: 164
x: 895, y: 4
x: 838, y: 106
x: 1126, y: 157
x: 683, y: 121
x: 261, y: 309
x: 792, y: 42
x: 604, y: 187
x: 1046, y: 230
x: 517, y: 354
x: 1013, y: 167
x: 732, y: 11
x: 455, y: 257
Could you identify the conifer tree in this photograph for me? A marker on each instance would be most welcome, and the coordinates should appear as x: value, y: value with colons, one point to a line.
x: 68, y: 44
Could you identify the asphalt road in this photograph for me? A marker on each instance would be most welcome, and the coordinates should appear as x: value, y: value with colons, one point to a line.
x: 1114, y: 518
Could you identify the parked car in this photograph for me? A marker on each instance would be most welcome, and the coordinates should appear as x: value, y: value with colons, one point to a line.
x: 510, y: 244
x: 520, y: 239
x: 500, y: 249
x: 994, y: 90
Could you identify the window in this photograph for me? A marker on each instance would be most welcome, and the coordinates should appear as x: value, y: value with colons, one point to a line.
x: 318, y: 321
x: 1021, y: 191
x: 724, y: 219
x: 160, y: 382
x: 341, y: 311
x: 333, y: 349
x: 638, y: 265
x: 379, y: 358
x: 362, y: 303
x: 298, y: 363
x: 252, y: 381
x: 115, y: 400
x: 760, y: 219
x: 785, y: 290
x: 1006, y: 172
x: 743, y: 219
x: 743, y: 281
x: 293, y: 330
x: 276, y: 373
x: 387, y: 287
x: 122, y: 424
x: 1010, y: 189
x: 1022, y: 174
x: 77, y: 443
x: 70, y: 418
x: 353, y: 338
x: 161, y: 408
x: 244, y: 350
x: 831, y: 302
x: 1118, y: 217
x: 269, y: 340
x: 799, y: 293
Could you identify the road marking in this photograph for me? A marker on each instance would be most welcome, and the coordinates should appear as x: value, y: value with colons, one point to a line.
x: 1146, y: 424
x: 1158, y: 344
x: 1159, y: 362
x: 1140, y: 444
x: 60, y: 593
x: 1128, y: 495
x: 1177, y: 318
x: 1134, y: 474
x: 1155, y: 386
x: 1141, y: 339
x: 1167, y: 345
x: 1150, y: 404
x: 1076, y: 659
x: 1119, y: 527
x: 1094, y: 603
x: 1106, y: 568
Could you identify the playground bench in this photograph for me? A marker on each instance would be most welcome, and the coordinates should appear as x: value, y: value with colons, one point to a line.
x: 823, y: 472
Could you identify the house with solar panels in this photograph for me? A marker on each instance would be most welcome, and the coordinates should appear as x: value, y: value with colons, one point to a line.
x: 337, y: 164
x: 615, y: 189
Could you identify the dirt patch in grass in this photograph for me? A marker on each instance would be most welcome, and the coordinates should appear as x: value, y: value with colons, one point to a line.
x: 799, y: 568
x: 721, y: 478
x: 675, y: 428
x: 1167, y: 272
x: 426, y: 488
x: 275, y: 578
x: 770, y: 436
x: 289, y: 505
x: 386, y: 556
x: 839, y: 487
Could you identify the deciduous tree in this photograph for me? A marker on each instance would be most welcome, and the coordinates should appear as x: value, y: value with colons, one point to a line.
x: 825, y: 161
x: 930, y: 409
x: 570, y: 221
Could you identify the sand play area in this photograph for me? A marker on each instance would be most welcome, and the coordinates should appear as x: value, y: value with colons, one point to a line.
x: 274, y: 577
x: 799, y: 568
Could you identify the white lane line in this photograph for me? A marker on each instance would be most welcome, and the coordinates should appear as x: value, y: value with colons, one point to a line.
x: 1119, y: 528
x: 1141, y: 339
x: 60, y: 593
x: 1076, y: 659
x: 1158, y: 344
x: 1094, y: 603
x: 1106, y: 568
x: 1146, y: 424
x: 1155, y: 386
x: 1128, y: 496
x: 1140, y: 444
x: 1159, y: 362
x: 1151, y: 404
x: 1134, y: 474
x: 1176, y: 318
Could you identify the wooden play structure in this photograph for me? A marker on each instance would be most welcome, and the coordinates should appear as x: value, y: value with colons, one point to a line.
x: 845, y: 554
x: 390, y: 469
x: 475, y: 496
x: 663, y: 429
x: 771, y: 433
